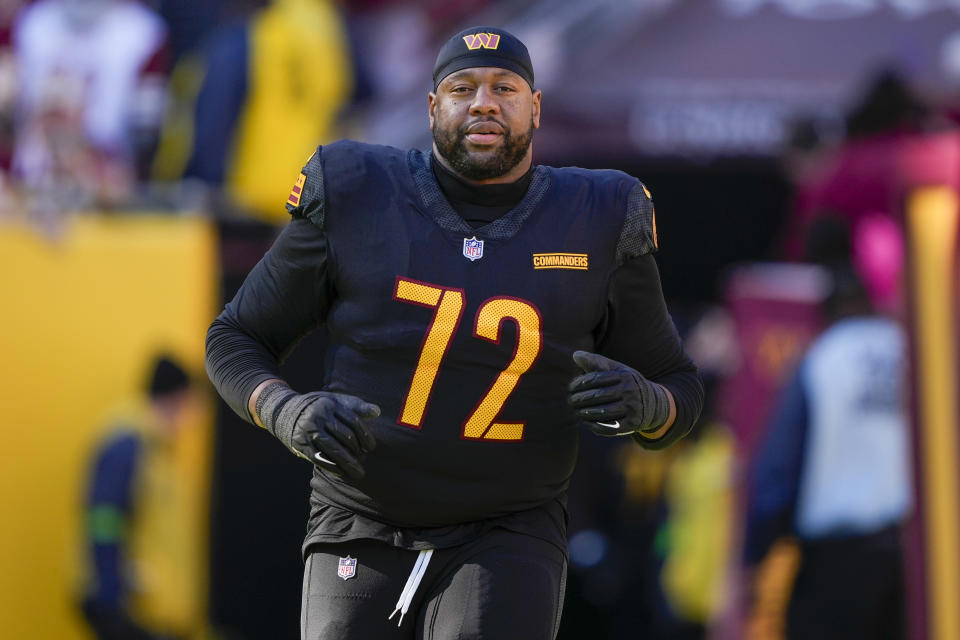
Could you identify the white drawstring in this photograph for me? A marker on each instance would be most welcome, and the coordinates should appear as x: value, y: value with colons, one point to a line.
x: 413, y: 581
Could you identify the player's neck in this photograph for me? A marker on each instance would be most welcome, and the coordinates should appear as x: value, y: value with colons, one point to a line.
x: 458, y: 189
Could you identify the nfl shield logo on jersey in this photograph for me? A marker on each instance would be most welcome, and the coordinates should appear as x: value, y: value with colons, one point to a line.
x: 472, y: 248
x: 347, y: 568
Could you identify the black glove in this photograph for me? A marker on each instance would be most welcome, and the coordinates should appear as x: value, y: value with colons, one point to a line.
x: 614, y: 400
x: 325, y: 428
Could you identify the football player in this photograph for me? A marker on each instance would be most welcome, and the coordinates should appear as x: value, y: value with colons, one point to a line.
x: 481, y: 311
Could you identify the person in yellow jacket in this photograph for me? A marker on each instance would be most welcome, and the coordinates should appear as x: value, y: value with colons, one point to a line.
x: 697, y: 535
x: 266, y: 91
x: 137, y: 529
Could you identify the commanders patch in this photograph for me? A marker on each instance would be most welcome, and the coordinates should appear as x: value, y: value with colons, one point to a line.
x: 294, y: 198
x: 578, y: 261
x: 347, y: 568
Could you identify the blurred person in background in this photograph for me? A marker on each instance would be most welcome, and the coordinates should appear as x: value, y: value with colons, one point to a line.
x: 834, y: 472
x: 856, y: 181
x: 855, y: 178
x: 694, y: 540
x: 133, y: 520
x: 91, y: 82
x: 190, y: 22
x: 256, y: 100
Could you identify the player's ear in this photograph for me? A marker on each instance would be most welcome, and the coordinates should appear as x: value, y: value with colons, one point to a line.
x: 431, y: 108
x: 535, y: 109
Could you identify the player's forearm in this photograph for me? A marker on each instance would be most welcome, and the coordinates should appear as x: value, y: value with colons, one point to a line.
x: 637, y: 308
x: 284, y: 297
x: 238, y: 365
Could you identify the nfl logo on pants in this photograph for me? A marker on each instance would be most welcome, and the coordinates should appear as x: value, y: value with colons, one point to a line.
x: 347, y: 568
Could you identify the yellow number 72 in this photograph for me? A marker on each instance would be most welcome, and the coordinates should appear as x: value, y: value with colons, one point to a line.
x: 448, y: 303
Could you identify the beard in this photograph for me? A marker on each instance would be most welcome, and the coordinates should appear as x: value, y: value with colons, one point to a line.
x: 481, y: 165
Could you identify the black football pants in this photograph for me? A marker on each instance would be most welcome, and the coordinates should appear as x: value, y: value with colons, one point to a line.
x: 503, y: 585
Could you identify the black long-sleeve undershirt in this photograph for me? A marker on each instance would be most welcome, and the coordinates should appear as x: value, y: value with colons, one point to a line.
x: 480, y: 204
x: 640, y: 333
x: 249, y: 338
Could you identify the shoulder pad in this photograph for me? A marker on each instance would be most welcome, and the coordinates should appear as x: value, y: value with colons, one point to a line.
x: 639, y: 234
x: 307, y: 196
x: 342, y: 167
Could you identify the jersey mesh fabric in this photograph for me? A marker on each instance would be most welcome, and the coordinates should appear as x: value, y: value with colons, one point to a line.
x: 312, y: 198
x: 637, y: 236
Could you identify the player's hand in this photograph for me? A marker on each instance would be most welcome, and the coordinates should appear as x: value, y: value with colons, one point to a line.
x: 614, y: 400
x: 330, y: 431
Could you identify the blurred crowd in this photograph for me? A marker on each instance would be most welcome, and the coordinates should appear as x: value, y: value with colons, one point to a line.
x: 181, y: 105
x: 110, y: 105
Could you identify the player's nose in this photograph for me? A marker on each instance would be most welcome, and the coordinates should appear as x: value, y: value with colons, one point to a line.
x: 484, y: 102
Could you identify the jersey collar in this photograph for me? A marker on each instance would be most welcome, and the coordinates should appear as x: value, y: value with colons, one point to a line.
x: 436, y: 204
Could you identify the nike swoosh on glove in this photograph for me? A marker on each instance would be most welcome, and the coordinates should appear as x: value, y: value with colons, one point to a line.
x: 328, y: 429
x: 613, y: 399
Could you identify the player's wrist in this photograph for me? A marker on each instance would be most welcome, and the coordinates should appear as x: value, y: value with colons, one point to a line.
x: 661, y: 408
x: 281, y: 411
x: 270, y: 403
x: 657, y: 434
x: 655, y: 402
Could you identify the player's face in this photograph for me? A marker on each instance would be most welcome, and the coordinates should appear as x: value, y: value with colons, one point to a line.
x: 482, y: 119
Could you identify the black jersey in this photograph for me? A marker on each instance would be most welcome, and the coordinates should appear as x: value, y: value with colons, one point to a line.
x: 462, y: 336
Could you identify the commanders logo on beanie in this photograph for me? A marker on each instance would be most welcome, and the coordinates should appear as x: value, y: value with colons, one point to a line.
x: 483, y: 47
